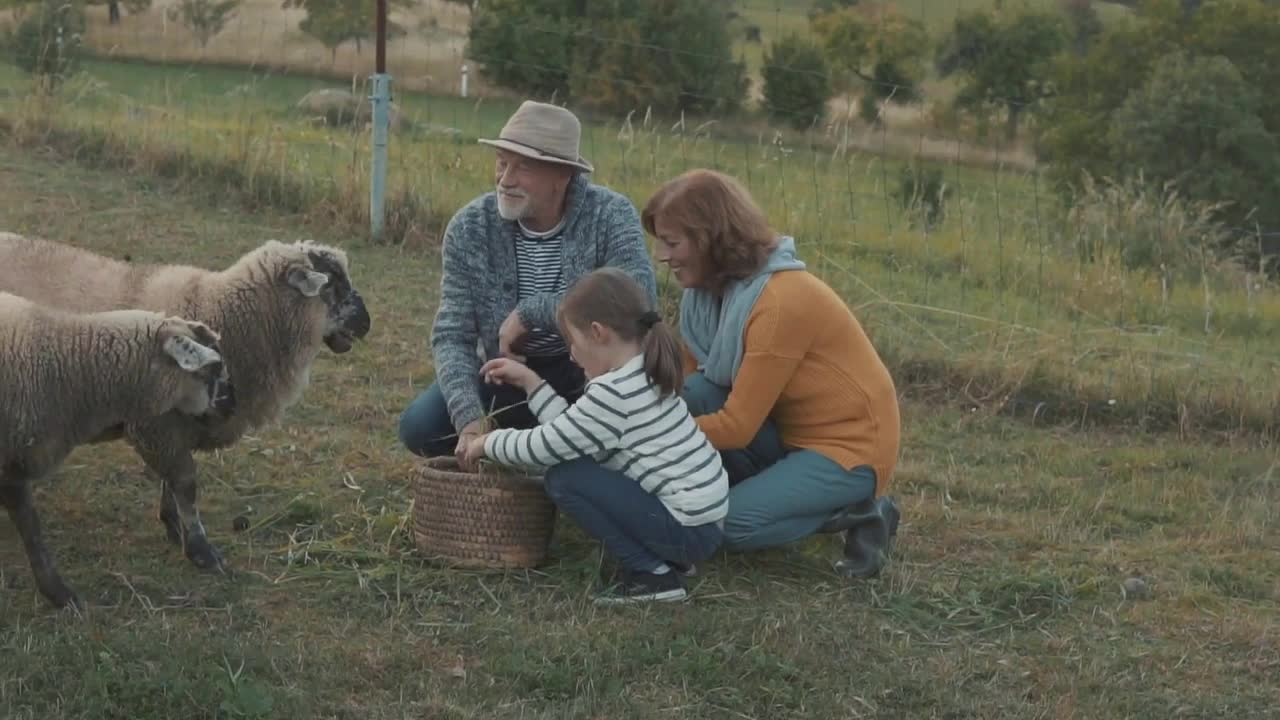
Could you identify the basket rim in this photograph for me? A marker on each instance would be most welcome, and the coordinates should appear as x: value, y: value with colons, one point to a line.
x: 446, y: 466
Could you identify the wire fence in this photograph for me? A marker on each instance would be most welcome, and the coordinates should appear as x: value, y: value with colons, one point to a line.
x: 980, y: 279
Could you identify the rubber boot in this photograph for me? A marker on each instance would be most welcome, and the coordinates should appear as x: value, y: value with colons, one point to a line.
x: 869, y: 528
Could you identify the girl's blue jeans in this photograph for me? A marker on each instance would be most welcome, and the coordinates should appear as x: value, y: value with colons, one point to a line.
x: 633, y: 525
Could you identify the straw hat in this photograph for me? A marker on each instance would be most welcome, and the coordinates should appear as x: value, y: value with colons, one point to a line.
x: 543, y: 132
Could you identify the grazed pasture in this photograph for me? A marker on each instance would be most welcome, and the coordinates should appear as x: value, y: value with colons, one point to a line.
x: 1005, y: 598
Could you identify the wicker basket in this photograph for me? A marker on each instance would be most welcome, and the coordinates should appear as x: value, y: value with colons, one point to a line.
x: 494, y: 518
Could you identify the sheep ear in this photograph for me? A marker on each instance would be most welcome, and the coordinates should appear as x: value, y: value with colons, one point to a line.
x: 189, y: 354
x: 308, y: 282
x: 204, y: 334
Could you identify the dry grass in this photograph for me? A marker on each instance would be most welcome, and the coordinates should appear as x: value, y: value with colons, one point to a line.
x: 994, y: 305
x: 912, y: 131
x: 1004, y: 599
x: 428, y: 57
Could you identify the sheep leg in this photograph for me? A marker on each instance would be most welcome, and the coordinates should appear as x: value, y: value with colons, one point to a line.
x: 169, y: 514
x: 178, y: 509
x: 164, y: 445
x: 16, y: 498
x: 182, y: 518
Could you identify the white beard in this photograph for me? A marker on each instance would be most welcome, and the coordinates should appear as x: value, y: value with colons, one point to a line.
x: 512, y: 208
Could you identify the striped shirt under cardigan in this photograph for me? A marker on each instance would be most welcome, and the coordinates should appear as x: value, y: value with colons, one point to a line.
x: 540, y: 270
x: 623, y: 423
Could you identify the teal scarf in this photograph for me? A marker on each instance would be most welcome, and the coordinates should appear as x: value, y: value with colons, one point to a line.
x: 712, y: 327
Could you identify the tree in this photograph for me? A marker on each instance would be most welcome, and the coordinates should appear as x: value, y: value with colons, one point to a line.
x: 821, y: 7
x: 875, y: 48
x: 797, y: 84
x: 135, y: 7
x: 1247, y: 32
x: 334, y: 22
x: 525, y: 45
x: 672, y: 55
x: 1005, y: 60
x: 1084, y: 21
x: 1083, y: 123
x: 614, y: 55
x: 1088, y: 90
x: 1196, y: 123
x: 205, y: 18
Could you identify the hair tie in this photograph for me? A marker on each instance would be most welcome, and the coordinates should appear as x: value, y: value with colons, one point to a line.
x: 649, y: 319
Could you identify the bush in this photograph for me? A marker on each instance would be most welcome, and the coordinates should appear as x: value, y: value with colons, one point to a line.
x: 797, y: 83
x: 47, y: 43
x: 1142, y: 226
x: 922, y: 194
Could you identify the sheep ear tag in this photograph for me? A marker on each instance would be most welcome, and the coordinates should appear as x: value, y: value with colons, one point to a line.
x: 308, y: 282
x: 189, y: 354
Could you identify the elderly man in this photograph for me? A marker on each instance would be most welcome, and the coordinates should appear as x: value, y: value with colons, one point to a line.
x: 509, y: 256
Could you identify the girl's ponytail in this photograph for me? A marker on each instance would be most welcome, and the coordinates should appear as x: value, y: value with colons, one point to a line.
x: 612, y: 298
x: 663, y: 362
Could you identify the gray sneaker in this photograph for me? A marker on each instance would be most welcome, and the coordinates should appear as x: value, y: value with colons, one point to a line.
x: 638, y: 587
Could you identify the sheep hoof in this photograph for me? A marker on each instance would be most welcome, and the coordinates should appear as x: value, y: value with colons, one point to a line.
x: 204, y: 555
x: 61, y: 596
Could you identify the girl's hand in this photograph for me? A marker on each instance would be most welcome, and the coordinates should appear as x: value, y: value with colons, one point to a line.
x: 505, y: 371
x: 474, y: 452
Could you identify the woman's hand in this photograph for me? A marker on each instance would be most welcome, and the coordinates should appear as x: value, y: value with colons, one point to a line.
x: 505, y: 371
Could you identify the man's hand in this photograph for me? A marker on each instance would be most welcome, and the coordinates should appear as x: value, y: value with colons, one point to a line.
x: 505, y: 371
x: 510, y: 335
x: 469, y: 433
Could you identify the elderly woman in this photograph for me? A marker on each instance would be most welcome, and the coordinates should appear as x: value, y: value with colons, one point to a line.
x: 781, y: 376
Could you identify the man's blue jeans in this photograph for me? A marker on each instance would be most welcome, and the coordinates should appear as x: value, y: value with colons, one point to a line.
x: 634, y: 526
x: 777, y: 494
x: 426, y: 428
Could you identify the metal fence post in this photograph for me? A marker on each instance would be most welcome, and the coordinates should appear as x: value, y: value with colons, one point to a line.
x: 380, y: 99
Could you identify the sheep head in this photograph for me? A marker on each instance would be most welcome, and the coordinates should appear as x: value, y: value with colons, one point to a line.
x: 321, y: 272
x: 204, y: 386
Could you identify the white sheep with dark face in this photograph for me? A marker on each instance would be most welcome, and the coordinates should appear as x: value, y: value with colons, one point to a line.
x: 66, y: 378
x: 274, y: 309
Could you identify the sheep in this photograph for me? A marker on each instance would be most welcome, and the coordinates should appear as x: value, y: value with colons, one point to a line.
x: 66, y: 377
x: 273, y: 308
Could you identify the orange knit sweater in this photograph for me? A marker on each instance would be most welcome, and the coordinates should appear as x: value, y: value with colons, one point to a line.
x: 808, y: 363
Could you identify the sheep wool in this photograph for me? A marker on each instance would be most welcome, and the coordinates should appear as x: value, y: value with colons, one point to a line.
x: 275, y: 308
x: 66, y: 378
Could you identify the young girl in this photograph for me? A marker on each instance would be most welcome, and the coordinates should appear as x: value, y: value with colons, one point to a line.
x: 626, y: 461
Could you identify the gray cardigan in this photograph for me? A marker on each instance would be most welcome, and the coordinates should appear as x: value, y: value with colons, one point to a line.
x: 478, y: 285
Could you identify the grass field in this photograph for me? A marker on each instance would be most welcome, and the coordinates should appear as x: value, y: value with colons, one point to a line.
x: 1068, y: 427
x: 1004, y: 598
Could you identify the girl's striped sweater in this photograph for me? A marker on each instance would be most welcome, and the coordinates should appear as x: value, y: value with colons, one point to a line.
x: 623, y: 423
